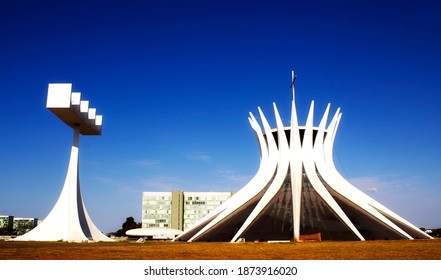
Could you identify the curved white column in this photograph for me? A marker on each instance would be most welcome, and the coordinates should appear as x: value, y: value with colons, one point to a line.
x: 68, y: 220
x: 311, y: 173
x: 257, y: 183
x: 342, y: 186
x: 323, y: 151
x: 282, y: 171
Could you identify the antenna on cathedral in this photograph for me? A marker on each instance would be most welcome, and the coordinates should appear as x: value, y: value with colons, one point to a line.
x: 292, y: 85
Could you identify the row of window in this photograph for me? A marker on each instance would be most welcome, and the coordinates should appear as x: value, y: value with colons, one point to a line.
x: 208, y: 198
x: 157, y: 211
x: 195, y: 202
x: 153, y: 198
x: 157, y: 225
x: 154, y: 202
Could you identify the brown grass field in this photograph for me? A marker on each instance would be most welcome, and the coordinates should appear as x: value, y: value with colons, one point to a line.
x: 162, y: 250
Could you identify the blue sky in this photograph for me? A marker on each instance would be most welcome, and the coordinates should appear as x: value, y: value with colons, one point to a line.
x: 175, y: 81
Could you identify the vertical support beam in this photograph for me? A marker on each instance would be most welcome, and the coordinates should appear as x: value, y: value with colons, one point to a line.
x: 295, y: 155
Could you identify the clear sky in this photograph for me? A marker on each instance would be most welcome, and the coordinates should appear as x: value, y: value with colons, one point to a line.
x: 175, y: 81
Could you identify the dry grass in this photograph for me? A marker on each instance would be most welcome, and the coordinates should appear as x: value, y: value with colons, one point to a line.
x: 156, y: 250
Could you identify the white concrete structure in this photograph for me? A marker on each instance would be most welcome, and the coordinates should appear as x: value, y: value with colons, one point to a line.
x: 298, y: 193
x: 69, y: 220
x: 154, y: 233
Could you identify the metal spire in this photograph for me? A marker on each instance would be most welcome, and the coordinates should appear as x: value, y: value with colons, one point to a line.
x: 293, y: 80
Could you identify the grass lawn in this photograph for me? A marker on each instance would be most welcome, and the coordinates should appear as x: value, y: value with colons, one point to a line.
x: 158, y: 250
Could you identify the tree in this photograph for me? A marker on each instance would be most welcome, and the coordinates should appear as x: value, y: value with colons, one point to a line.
x: 130, y: 224
x: 127, y: 225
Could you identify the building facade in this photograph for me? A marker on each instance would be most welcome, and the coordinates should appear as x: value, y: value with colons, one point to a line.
x: 178, y: 210
x: 198, y: 204
x: 10, y: 225
x: 6, y: 224
x: 24, y: 225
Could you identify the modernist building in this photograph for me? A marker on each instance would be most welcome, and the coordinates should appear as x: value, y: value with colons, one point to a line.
x: 24, y: 225
x: 6, y: 224
x: 153, y: 233
x: 298, y: 194
x: 178, y: 210
x: 68, y: 219
x: 10, y: 225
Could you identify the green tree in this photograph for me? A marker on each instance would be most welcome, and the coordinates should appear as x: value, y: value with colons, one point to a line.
x: 130, y: 223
